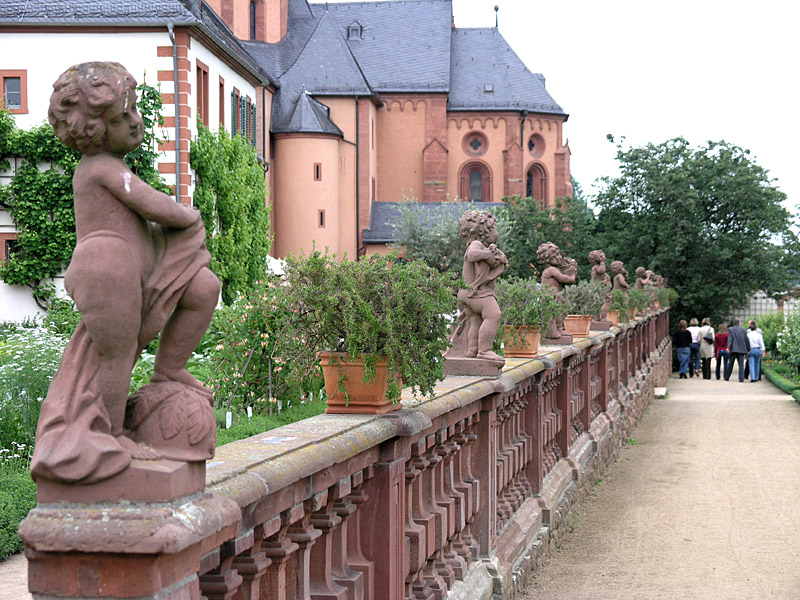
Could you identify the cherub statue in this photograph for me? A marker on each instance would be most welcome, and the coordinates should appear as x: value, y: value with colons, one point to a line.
x: 641, y: 278
x: 483, y: 264
x: 620, y: 273
x: 140, y: 268
x: 597, y: 259
x: 557, y: 272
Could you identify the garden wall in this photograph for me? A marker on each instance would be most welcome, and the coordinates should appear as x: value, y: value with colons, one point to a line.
x: 458, y: 496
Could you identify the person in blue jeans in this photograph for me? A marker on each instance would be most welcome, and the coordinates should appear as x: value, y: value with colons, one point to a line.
x: 757, y: 350
x: 694, y: 348
x: 681, y: 341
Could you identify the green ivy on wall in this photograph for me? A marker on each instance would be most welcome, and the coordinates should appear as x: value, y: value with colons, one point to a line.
x: 230, y: 191
x: 39, y: 197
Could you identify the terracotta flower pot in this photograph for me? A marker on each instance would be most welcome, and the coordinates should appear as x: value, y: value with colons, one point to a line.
x: 364, y: 398
x: 578, y: 325
x: 529, y: 338
x: 613, y: 316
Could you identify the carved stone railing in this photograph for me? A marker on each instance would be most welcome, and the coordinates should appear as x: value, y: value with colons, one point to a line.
x: 460, y: 492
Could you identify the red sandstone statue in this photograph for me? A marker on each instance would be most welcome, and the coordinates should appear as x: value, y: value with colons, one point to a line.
x: 558, y: 272
x: 597, y: 259
x: 484, y: 262
x: 642, y: 278
x: 620, y: 273
x: 140, y: 267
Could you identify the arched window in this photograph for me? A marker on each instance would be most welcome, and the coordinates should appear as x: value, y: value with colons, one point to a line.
x: 475, y: 185
x: 536, y: 184
x: 252, y: 20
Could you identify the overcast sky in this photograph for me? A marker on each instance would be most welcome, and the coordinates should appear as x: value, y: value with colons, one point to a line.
x: 653, y: 71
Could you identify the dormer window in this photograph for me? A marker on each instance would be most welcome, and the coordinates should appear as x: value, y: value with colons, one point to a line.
x: 488, y: 88
x: 354, y: 31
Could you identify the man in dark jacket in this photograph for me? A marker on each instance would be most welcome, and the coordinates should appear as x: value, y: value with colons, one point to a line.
x: 738, y: 347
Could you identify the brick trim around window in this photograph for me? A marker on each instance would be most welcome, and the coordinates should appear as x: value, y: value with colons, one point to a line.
x: 22, y: 107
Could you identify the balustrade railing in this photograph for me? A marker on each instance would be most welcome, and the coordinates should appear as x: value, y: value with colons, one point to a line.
x: 353, y: 507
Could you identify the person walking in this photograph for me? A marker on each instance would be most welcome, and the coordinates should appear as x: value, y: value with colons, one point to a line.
x: 681, y: 341
x: 721, y: 348
x: 738, y: 347
x: 706, y: 347
x: 757, y: 350
x: 694, y: 357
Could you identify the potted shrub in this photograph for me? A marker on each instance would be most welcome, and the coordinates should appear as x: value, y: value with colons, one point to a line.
x: 638, y: 301
x: 374, y: 323
x: 618, y: 309
x: 526, y: 308
x: 666, y: 297
x: 584, y: 300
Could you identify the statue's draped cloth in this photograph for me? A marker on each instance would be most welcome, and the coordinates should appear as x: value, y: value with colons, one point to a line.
x: 73, y: 437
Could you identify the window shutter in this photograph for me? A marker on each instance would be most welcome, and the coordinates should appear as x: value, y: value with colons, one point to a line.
x: 254, y: 123
x: 233, y: 113
x: 243, y: 116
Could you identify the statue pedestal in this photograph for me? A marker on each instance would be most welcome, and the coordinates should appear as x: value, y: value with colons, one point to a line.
x: 143, y: 481
x: 601, y: 325
x: 478, y: 367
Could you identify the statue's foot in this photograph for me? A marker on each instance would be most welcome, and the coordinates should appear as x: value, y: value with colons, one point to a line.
x: 470, y: 354
x: 138, y: 451
x: 489, y: 355
x: 180, y: 375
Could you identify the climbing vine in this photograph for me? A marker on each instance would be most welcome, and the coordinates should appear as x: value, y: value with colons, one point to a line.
x: 39, y: 197
x: 231, y: 195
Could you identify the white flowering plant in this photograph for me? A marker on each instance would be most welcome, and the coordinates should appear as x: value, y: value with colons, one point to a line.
x: 788, y: 340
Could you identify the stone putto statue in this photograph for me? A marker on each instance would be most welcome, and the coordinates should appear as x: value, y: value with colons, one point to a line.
x: 597, y: 259
x: 557, y: 272
x: 140, y: 268
x: 479, y: 315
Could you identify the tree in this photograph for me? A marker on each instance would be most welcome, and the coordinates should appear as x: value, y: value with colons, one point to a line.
x: 569, y: 225
x: 231, y: 195
x: 709, y: 219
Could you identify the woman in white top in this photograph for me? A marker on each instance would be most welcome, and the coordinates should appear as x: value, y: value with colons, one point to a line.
x: 694, y: 356
x: 706, y: 348
x: 757, y: 349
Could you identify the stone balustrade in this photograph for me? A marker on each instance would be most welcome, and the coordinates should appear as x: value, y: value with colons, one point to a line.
x: 458, y: 496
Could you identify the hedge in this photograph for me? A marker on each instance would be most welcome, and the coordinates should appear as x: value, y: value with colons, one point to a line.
x: 785, y: 385
x: 17, y: 497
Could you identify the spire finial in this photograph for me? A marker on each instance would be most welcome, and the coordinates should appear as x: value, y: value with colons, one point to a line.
x: 496, y: 10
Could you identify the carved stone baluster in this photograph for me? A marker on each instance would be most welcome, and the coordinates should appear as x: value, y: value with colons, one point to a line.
x: 418, y: 589
x: 430, y: 501
x: 355, y: 556
x: 441, y: 495
x: 279, y: 548
x: 348, y: 578
x: 222, y: 582
x: 452, y: 451
x: 416, y: 533
x: 304, y: 535
x: 434, y: 579
x: 251, y: 565
x: 323, y: 587
x: 455, y: 561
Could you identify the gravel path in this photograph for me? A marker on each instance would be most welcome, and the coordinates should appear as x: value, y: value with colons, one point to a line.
x: 702, y: 503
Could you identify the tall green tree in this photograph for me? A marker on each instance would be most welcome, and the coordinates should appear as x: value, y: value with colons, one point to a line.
x: 709, y: 218
x: 231, y: 194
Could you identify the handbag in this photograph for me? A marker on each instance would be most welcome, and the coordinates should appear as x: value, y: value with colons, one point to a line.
x: 708, y: 339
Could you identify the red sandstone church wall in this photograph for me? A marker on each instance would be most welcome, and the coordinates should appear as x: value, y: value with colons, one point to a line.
x: 400, y: 140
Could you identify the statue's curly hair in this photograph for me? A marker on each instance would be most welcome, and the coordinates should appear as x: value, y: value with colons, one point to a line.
x: 617, y: 267
x: 596, y: 257
x: 545, y: 251
x: 476, y: 225
x: 80, y: 97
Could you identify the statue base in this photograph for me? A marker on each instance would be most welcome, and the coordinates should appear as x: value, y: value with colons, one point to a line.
x: 476, y: 367
x: 600, y: 325
x: 563, y: 340
x: 143, y: 481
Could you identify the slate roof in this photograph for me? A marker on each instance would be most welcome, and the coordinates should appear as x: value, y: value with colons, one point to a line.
x: 307, y: 116
x: 404, y: 46
x: 139, y: 13
x: 96, y: 12
x: 481, y: 57
x: 385, y: 215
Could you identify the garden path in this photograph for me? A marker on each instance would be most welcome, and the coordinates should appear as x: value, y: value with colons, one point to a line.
x: 701, y: 503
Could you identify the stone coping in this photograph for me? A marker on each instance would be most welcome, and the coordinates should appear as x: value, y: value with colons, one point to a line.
x: 248, y: 469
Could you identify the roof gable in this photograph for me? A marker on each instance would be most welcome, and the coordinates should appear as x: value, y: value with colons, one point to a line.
x: 403, y: 47
x: 481, y: 57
